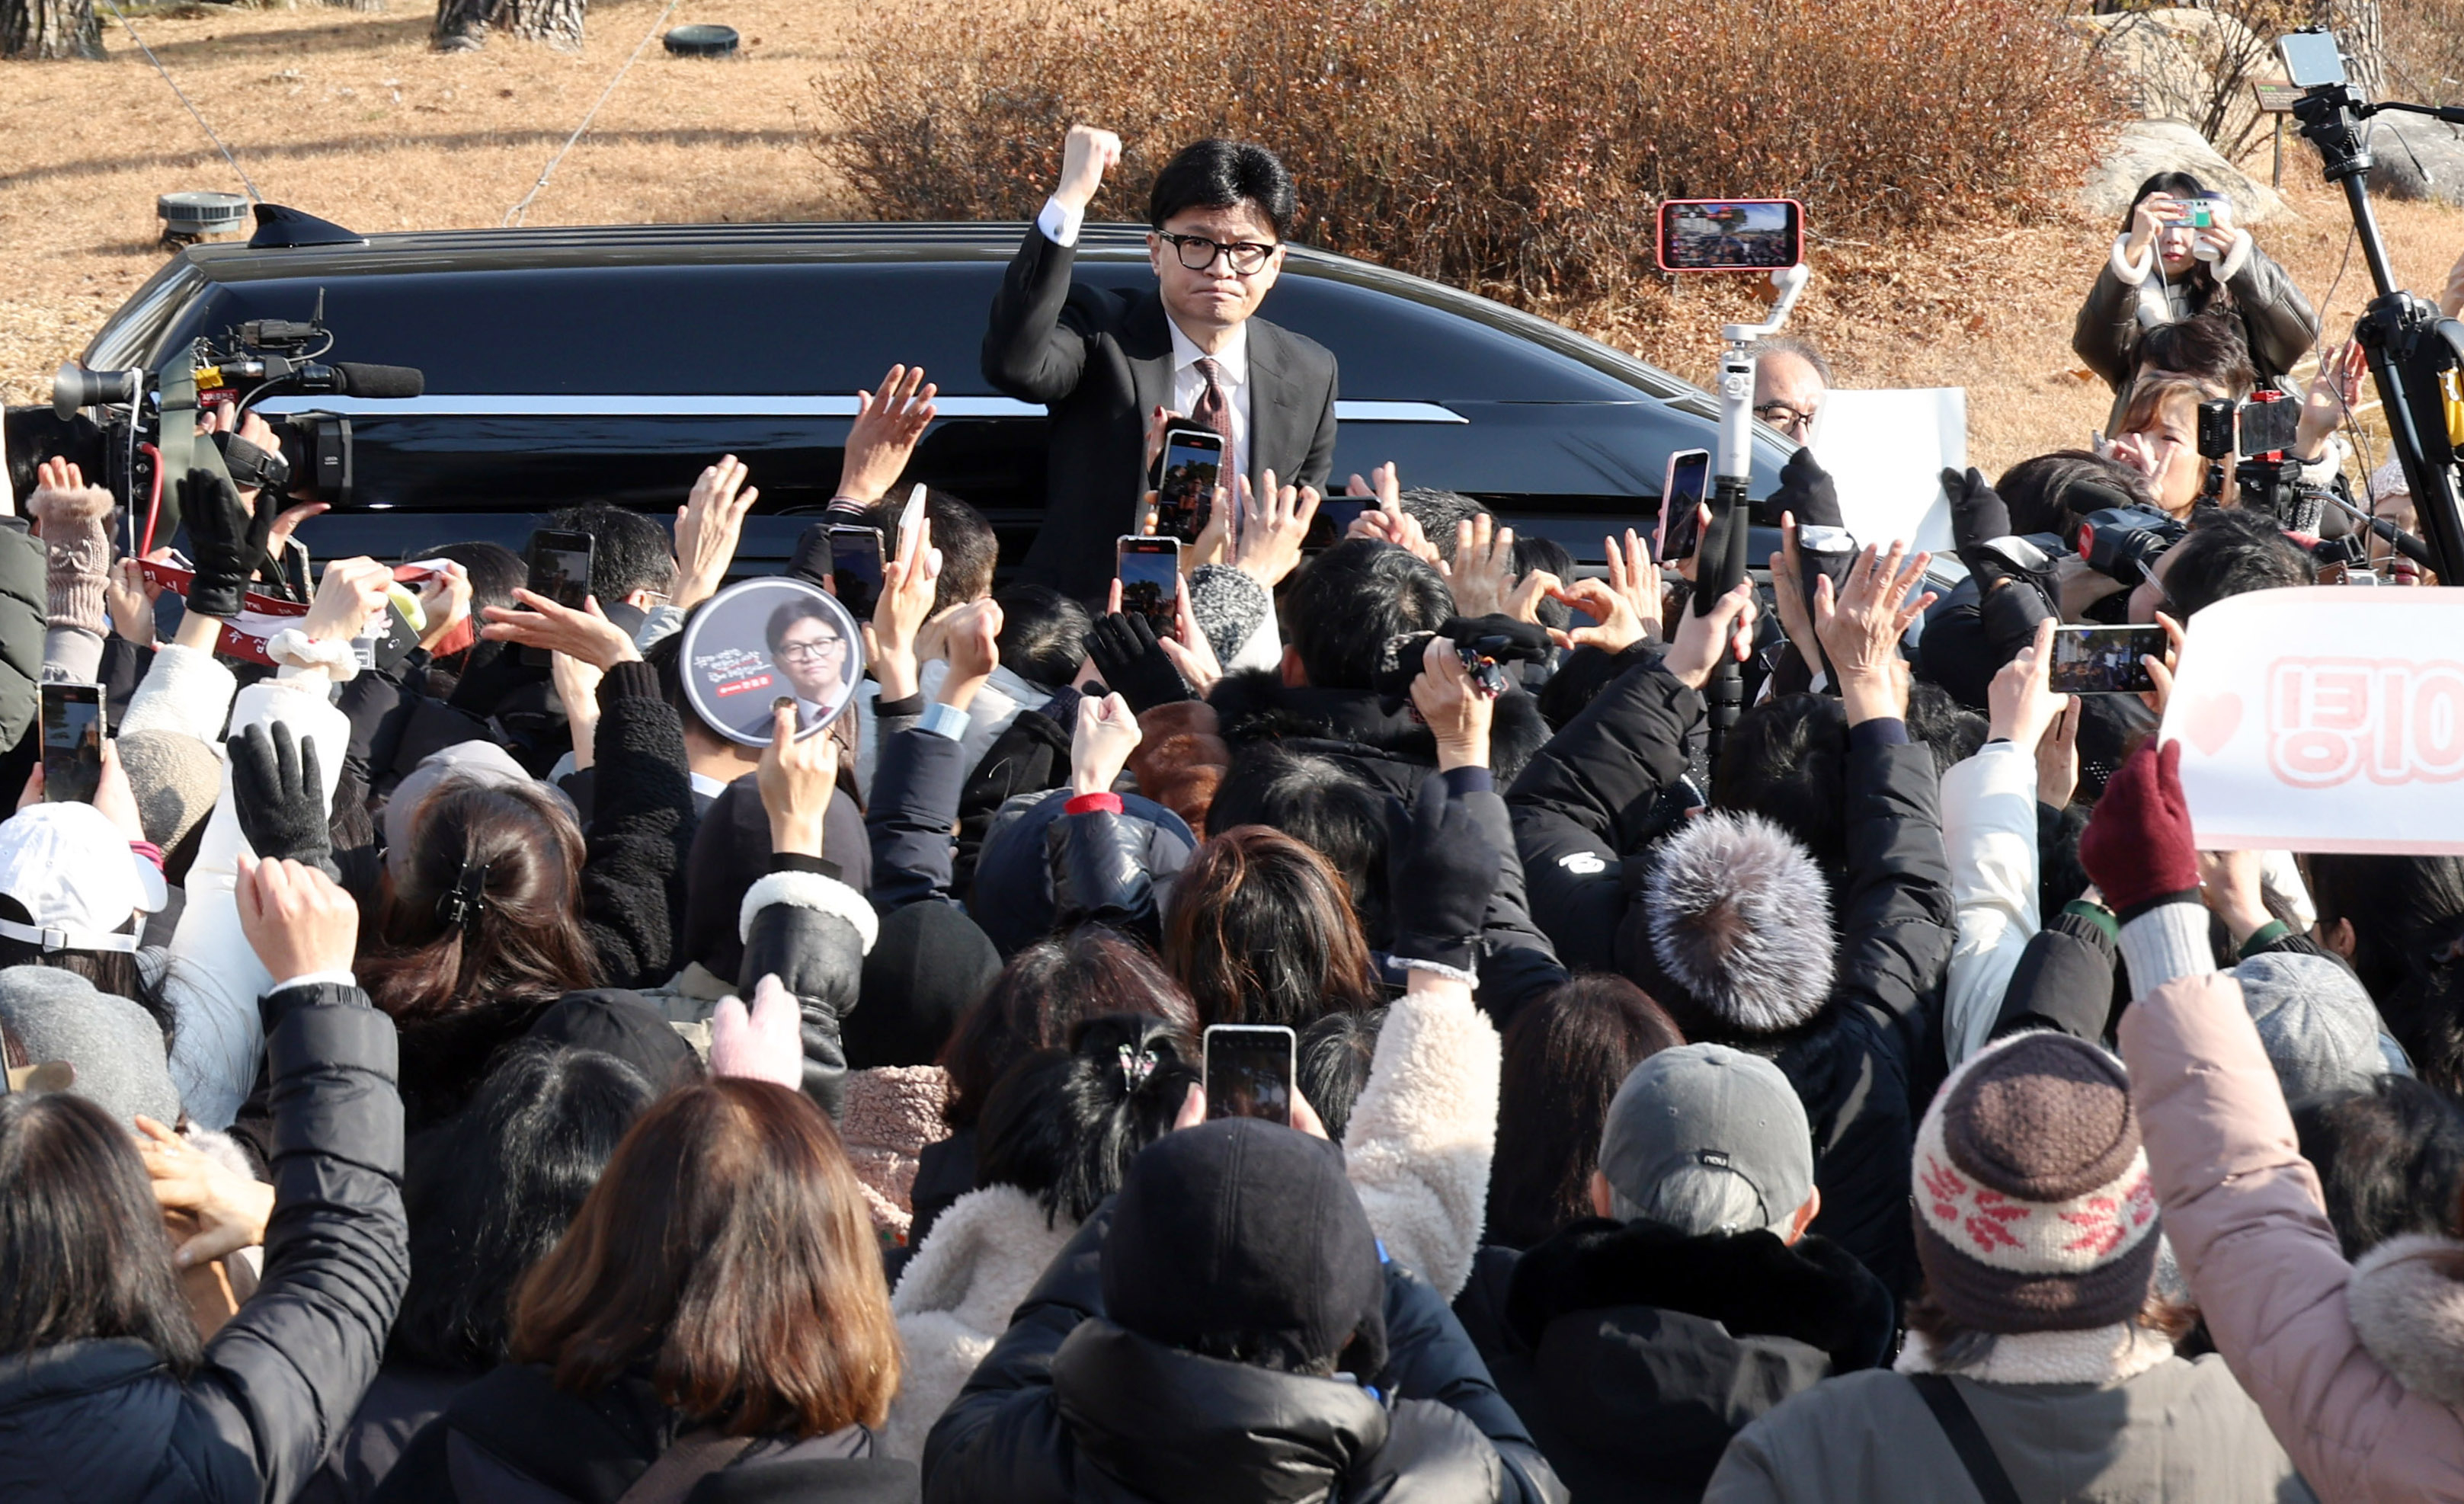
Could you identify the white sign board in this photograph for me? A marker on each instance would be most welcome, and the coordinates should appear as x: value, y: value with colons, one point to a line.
x: 2325, y: 720
x: 1886, y: 452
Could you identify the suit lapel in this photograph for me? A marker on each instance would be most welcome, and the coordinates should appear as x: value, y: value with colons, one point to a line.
x: 1146, y: 342
x: 1275, y: 442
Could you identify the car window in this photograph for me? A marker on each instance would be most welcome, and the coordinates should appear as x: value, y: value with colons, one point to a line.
x: 810, y: 328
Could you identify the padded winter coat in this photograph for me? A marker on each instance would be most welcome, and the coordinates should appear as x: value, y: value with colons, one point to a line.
x: 2276, y: 319
x: 104, y: 1420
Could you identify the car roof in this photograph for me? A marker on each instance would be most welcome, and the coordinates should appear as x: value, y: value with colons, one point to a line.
x: 1106, y: 250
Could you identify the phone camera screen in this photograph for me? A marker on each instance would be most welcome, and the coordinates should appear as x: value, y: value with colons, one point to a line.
x: 855, y: 569
x: 1689, y: 482
x: 1249, y: 1073
x: 72, y: 748
x: 1728, y: 236
x: 1151, y: 587
x: 1185, y: 496
x: 2104, y: 661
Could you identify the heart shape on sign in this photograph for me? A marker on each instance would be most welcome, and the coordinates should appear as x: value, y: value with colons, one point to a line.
x: 2212, y: 721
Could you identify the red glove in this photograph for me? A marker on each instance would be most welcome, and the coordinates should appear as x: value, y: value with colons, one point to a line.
x: 2136, y: 847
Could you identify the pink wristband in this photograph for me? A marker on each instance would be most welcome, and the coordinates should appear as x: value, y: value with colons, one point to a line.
x: 1088, y: 803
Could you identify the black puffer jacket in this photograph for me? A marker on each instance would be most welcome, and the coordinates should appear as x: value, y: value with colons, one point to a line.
x: 1389, y: 748
x: 1636, y: 1351
x: 2277, y: 320
x: 103, y: 1420
x: 1067, y: 1405
x: 515, y: 1438
x: 641, y: 832
x: 25, y: 606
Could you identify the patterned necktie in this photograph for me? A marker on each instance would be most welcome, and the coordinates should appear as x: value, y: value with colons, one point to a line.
x: 1211, y: 408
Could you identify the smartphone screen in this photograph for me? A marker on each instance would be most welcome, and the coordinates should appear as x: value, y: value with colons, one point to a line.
x: 2104, y: 661
x: 855, y: 569
x: 560, y: 566
x: 72, y: 742
x: 2268, y: 427
x: 1149, y: 569
x: 1335, y: 518
x: 1681, y: 501
x: 1731, y: 234
x: 1249, y: 1072
x: 1186, y: 477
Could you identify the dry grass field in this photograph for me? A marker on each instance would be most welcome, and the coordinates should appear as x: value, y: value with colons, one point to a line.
x: 350, y: 115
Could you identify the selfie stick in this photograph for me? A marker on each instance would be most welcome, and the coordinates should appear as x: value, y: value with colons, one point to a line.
x: 2410, y: 347
x: 1720, y: 562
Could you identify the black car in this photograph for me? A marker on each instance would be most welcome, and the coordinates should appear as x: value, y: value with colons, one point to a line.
x: 569, y: 364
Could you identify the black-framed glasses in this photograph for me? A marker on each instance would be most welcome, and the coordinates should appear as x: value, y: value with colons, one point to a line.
x: 1245, y: 258
x: 1780, y: 415
x: 819, y: 652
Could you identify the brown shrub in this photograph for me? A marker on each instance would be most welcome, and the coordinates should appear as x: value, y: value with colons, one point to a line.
x: 1516, y: 147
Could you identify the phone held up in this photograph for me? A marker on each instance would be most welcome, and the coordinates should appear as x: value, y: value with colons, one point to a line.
x: 561, y: 563
x: 1731, y: 234
x: 855, y: 568
x: 1681, y: 502
x: 1185, y: 476
x: 1249, y: 1072
x: 72, y: 742
x: 2104, y: 661
x: 1149, y: 569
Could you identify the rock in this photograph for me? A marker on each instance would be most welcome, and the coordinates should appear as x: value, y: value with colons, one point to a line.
x: 2415, y: 159
x: 2143, y: 149
x: 2170, y: 57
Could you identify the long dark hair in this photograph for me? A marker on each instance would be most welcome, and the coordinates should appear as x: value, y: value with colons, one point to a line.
x: 83, y: 1252
x: 2178, y: 185
x: 726, y: 1246
x: 1260, y: 930
x: 1565, y: 1058
x: 2391, y: 1161
x: 1041, y: 997
x: 490, y: 1192
x: 112, y: 971
x: 2405, y: 911
x: 1064, y: 1124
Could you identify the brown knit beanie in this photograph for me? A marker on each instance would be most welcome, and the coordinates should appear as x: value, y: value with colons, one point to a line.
x: 2032, y: 1205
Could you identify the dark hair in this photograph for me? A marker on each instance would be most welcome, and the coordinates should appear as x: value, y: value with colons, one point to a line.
x: 1260, y: 931
x: 82, y: 1244
x: 1440, y: 513
x: 1320, y: 803
x: 1043, y: 635
x: 1546, y: 554
x: 1345, y: 607
x: 1804, y: 349
x: 802, y: 609
x: 1335, y: 1053
x: 1787, y: 759
x: 726, y: 1248
x: 495, y: 570
x: 1949, y: 730
x: 628, y: 551
x: 2389, y: 1160
x: 1064, y: 1124
x: 2210, y: 347
x: 1565, y: 1057
x: 1954, y: 1346
x: 969, y: 547
x: 2401, y: 909
x: 112, y: 971
x: 2050, y: 493
x: 2174, y: 185
x: 493, y: 1190
x: 2149, y: 395
x: 1219, y: 174
x: 34, y: 433
x: 2231, y: 552
x: 524, y: 948
x: 2425, y: 1013
x: 1040, y: 998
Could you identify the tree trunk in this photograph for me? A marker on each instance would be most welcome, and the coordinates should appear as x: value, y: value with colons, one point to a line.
x: 462, y: 24
x: 355, y: 5
x: 49, y: 28
x: 2362, y: 35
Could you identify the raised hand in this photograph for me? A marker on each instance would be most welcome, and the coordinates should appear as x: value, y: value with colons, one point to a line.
x: 707, y: 526
x: 1085, y: 156
x: 1108, y: 733
x: 1860, y: 630
x: 1626, y: 605
x: 2021, y: 709
x: 885, y: 433
x: 796, y: 778
x: 299, y: 921
x: 907, y: 584
x: 1458, y: 714
x: 587, y: 635
x: 279, y: 790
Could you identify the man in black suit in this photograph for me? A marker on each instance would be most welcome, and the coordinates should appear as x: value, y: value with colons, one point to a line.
x: 1108, y: 364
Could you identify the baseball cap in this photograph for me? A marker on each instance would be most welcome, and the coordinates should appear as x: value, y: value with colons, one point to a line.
x: 1697, y: 1111
x: 71, y: 871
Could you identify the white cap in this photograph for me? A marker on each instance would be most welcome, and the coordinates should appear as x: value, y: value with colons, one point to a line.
x: 71, y: 871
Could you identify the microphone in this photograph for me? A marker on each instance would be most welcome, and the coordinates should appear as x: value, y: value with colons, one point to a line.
x: 352, y: 379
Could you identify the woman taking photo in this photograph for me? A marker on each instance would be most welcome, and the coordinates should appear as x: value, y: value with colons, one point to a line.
x: 2165, y: 267
x: 714, y: 1324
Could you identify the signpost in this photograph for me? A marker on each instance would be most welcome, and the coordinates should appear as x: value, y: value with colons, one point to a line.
x: 2276, y: 100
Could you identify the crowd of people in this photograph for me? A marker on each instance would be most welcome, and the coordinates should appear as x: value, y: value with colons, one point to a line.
x: 476, y: 1076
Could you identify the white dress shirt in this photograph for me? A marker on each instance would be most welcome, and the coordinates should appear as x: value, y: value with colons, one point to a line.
x: 1061, y: 224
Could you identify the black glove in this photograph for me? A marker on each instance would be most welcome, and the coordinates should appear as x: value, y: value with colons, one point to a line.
x: 226, y: 539
x: 1440, y: 870
x: 1980, y: 529
x: 279, y: 790
x: 1127, y: 655
x: 1805, y: 491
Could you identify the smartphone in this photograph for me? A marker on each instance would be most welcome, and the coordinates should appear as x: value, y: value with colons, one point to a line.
x: 2269, y: 428
x: 1335, y: 518
x: 1249, y: 1072
x: 2104, y: 661
x: 855, y: 568
x: 1681, y: 501
x: 1731, y: 234
x: 1149, y: 569
x: 561, y: 566
x: 2312, y: 59
x: 72, y: 742
x: 1186, y: 475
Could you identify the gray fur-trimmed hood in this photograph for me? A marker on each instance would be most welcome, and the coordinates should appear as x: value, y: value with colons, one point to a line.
x: 2407, y: 1304
x: 1740, y: 918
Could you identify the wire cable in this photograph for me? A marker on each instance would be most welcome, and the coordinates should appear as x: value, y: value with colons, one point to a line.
x: 246, y: 182
x: 513, y: 215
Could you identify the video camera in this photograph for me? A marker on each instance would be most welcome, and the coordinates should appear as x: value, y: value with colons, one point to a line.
x: 149, y: 418
x: 2253, y: 438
